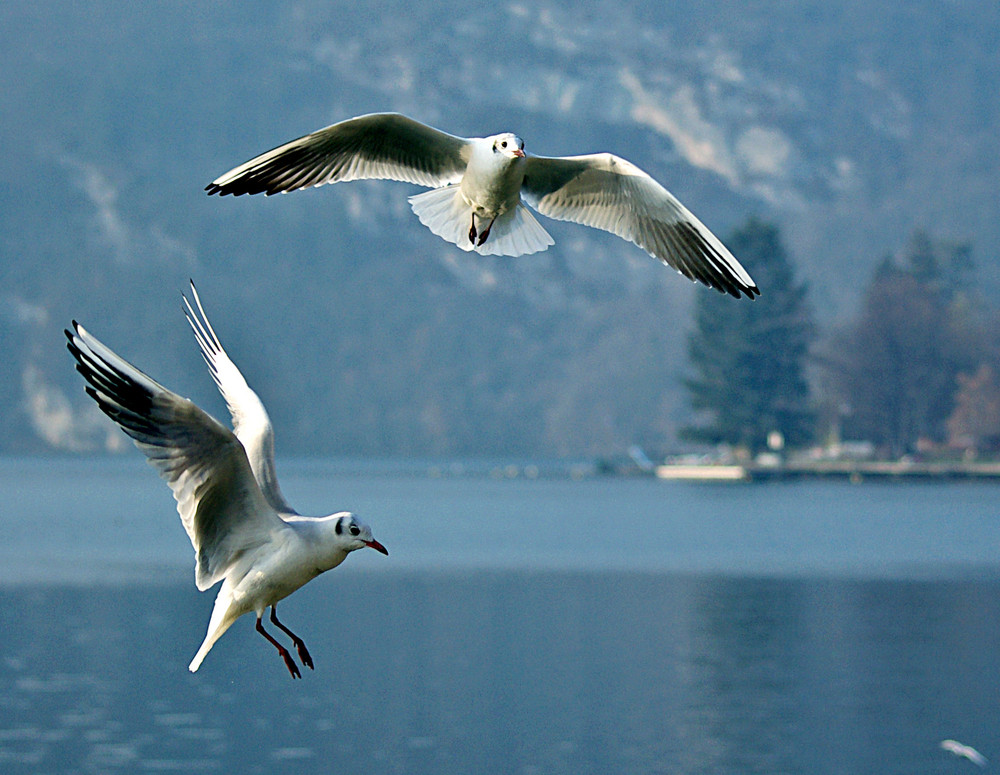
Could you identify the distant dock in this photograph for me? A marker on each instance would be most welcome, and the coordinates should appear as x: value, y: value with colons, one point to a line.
x: 853, y: 470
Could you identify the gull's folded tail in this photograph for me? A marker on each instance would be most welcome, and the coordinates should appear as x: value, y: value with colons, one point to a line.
x: 223, y: 615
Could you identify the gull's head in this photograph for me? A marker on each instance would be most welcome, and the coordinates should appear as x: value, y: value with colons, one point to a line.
x: 355, y: 534
x: 509, y: 145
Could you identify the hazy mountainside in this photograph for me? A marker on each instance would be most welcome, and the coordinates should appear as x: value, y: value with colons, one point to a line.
x: 846, y: 123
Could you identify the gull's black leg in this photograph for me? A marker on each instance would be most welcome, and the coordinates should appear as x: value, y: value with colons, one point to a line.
x: 472, y: 230
x: 299, y: 644
x: 289, y: 662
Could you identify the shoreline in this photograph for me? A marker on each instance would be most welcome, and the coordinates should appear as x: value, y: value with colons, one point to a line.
x: 853, y: 470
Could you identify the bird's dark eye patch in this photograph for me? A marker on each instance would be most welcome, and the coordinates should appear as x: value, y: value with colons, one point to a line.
x: 355, y: 530
x: 503, y: 144
x: 339, y: 527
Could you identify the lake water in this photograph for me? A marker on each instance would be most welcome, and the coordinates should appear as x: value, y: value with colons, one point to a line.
x: 521, y: 624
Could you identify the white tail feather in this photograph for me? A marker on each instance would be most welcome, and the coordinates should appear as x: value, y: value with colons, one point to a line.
x: 223, y: 615
x: 445, y: 212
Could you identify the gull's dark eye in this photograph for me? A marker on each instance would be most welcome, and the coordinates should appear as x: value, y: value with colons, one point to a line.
x: 503, y: 144
x: 355, y: 530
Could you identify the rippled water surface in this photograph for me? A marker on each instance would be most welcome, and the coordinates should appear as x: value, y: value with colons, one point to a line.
x: 519, y: 625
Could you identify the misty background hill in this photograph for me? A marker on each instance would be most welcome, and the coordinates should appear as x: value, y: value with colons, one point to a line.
x: 847, y: 124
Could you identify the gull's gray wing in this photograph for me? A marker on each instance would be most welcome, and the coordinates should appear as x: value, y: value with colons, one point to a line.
x: 378, y: 145
x: 251, y: 423
x: 219, y: 502
x: 610, y: 193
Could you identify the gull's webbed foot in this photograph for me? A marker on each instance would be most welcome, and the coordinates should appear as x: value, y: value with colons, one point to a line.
x: 485, y: 234
x: 300, y: 646
x: 290, y: 663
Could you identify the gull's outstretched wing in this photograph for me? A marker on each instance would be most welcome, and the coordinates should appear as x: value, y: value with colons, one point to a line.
x: 251, y: 423
x: 610, y: 193
x: 219, y: 502
x: 378, y: 145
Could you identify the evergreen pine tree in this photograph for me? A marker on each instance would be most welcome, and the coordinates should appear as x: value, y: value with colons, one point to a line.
x: 749, y: 359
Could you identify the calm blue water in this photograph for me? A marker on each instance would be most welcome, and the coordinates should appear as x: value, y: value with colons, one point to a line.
x: 519, y: 625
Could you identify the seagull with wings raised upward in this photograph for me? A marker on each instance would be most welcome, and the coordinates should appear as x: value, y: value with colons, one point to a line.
x: 478, y: 184
x: 243, y: 531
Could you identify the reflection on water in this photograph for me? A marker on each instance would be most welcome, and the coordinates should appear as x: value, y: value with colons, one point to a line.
x: 508, y: 672
x: 530, y: 626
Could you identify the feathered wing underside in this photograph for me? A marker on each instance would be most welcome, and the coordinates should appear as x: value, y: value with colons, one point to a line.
x: 218, y: 500
x: 376, y: 146
x: 251, y: 423
x: 446, y: 213
x: 610, y: 193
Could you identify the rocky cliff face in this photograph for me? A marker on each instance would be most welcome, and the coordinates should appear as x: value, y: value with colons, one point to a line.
x: 847, y: 124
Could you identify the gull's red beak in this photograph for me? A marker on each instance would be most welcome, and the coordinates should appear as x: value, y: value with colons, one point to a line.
x: 377, y: 547
x: 518, y: 152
